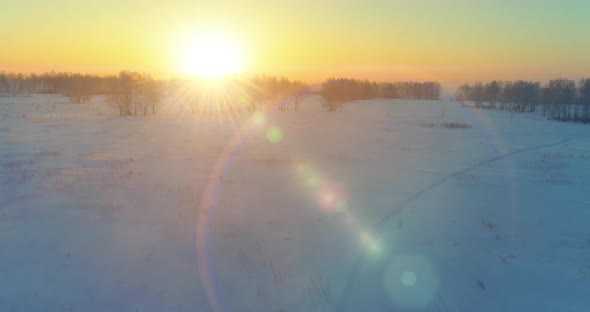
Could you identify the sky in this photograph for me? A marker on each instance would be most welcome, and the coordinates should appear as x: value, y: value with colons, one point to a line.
x: 384, y: 40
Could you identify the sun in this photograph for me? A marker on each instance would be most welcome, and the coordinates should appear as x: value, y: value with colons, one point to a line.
x: 211, y: 56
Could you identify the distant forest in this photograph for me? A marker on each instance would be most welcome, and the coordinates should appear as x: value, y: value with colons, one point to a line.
x: 559, y: 99
x: 133, y: 93
x: 139, y: 94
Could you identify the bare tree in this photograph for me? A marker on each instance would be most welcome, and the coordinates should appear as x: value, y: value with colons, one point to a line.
x: 584, y: 91
x: 123, y: 97
x: 559, y: 96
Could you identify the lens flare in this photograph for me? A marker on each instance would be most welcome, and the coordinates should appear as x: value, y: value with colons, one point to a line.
x: 313, y: 181
x: 328, y: 199
x: 411, y: 282
x: 274, y: 134
x: 371, y: 244
x: 259, y: 119
x: 408, y: 278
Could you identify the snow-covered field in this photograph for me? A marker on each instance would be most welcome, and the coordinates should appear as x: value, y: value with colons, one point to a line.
x: 379, y: 207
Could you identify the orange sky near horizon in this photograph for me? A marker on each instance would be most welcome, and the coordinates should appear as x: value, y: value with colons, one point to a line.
x: 453, y: 42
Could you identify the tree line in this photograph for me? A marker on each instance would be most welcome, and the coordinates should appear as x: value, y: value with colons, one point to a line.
x: 262, y: 92
x: 132, y: 93
x: 18, y: 84
x: 559, y: 99
x: 238, y: 94
x: 342, y: 90
x: 336, y: 91
x: 135, y: 94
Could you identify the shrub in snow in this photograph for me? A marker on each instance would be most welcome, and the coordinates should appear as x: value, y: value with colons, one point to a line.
x: 453, y: 125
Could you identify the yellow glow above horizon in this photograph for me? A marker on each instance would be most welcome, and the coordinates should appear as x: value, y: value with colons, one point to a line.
x: 211, y: 56
x: 386, y: 40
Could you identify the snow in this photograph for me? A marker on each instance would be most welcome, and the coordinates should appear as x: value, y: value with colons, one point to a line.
x: 375, y: 208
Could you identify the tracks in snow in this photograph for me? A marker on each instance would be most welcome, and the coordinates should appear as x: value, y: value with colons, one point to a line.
x: 384, y: 220
x: 352, y: 281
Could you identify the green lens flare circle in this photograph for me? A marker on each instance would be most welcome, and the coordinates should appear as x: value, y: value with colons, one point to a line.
x: 274, y: 134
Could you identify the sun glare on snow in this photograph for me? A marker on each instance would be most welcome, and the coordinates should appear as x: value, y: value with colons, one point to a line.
x: 211, y: 56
